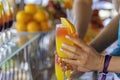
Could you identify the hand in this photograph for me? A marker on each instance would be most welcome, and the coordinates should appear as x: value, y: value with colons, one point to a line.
x: 65, y: 66
x: 82, y: 56
x: 74, y: 73
x: 61, y: 63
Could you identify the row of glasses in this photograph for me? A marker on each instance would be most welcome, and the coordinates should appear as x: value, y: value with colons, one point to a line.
x: 6, y: 21
x: 17, y: 68
x: 2, y: 24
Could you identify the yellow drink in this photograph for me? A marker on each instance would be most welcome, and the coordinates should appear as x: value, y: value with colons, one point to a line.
x: 61, y: 32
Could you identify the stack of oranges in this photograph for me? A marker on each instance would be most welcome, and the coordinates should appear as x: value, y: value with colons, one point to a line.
x: 32, y: 19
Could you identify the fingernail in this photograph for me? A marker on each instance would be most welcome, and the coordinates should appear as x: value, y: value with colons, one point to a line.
x: 63, y: 44
x: 63, y: 59
x: 71, y: 72
x: 60, y: 64
x: 65, y: 67
x: 61, y: 49
x: 67, y: 36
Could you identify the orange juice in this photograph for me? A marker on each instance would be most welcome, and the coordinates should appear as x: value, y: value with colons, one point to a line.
x: 61, y: 32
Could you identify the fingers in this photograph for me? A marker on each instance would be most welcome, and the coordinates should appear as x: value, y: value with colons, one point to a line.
x: 73, y: 49
x: 70, y: 61
x: 78, y: 42
x: 70, y: 54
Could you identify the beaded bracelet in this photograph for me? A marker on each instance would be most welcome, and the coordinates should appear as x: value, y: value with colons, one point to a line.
x: 106, y: 64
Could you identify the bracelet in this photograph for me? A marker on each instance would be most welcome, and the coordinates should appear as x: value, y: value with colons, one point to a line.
x: 106, y: 64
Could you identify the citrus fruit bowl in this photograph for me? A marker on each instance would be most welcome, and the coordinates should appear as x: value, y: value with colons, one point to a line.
x: 32, y: 19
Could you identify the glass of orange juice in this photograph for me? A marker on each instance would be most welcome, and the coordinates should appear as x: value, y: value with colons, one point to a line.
x: 61, y: 32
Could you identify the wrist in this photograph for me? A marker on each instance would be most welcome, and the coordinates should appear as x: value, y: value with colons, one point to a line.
x: 101, y: 63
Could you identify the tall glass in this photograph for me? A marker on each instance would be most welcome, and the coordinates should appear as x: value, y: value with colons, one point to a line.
x: 2, y: 24
x: 61, y: 32
x: 9, y: 20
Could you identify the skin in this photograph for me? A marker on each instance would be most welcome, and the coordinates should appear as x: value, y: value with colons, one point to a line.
x: 104, y: 38
x: 84, y: 58
x: 82, y: 10
x: 81, y: 54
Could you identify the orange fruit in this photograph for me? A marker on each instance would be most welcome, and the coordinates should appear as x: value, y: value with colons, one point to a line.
x: 40, y: 15
x: 66, y: 23
x: 23, y: 17
x: 21, y: 27
x: 45, y: 26
x: 33, y: 27
x: 31, y: 8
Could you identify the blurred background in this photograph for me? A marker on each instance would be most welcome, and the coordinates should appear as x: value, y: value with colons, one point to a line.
x: 27, y: 35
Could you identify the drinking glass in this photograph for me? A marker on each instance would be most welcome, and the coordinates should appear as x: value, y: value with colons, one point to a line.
x: 9, y: 10
x: 61, y: 32
x: 2, y: 25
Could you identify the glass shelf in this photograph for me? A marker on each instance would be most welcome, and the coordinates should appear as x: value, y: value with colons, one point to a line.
x: 21, y: 40
x: 31, y: 56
